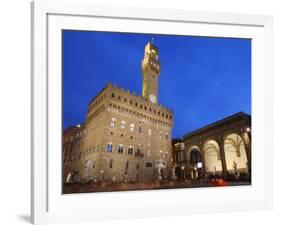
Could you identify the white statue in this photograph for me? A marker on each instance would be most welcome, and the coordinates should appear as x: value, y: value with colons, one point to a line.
x: 68, y: 179
x: 160, y: 164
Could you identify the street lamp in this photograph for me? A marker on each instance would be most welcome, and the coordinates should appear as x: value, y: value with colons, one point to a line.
x: 248, y: 129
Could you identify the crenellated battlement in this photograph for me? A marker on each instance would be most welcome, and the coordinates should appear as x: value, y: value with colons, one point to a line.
x: 114, y: 93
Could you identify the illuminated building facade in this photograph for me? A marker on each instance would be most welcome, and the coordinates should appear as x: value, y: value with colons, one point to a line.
x: 126, y: 137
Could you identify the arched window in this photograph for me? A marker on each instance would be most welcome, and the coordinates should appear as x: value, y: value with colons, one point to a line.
x: 149, y: 153
x: 120, y: 148
x: 149, y: 132
x: 140, y: 130
x: 113, y: 122
x: 109, y: 147
x: 123, y: 124
x: 132, y: 126
x: 166, y: 136
x: 130, y: 150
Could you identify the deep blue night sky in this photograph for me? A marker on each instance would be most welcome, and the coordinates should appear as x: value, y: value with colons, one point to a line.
x: 202, y: 79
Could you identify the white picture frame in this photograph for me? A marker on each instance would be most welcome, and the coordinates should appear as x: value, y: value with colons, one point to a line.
x: 47, y: 203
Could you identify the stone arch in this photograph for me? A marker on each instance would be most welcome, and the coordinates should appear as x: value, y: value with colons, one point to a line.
x: 194, y: 156
x: 235, y: 154
x: 192, y: 148
x: 213, y: 164
x: 246, y: 138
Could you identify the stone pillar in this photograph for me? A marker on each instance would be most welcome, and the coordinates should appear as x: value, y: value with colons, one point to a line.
x: 202, y: 156
x: 187, y: 170
x: 220, y: 141
x: 249, y: 159
x: 203, y: 170
x: 187, y: 163
x: 248, y: 151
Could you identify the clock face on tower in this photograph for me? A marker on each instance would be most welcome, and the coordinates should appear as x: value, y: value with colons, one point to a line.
x: 152, y: 98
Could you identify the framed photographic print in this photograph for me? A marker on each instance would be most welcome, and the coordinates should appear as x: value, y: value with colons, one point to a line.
x: 161, y: 112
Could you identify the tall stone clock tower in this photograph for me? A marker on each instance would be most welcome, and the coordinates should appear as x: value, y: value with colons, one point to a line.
x: 150, y: 72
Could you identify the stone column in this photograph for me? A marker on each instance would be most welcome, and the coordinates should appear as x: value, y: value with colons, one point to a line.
x: 187, y: 163
x: 249, y: 159
x: 248, y: 151
x: 187, y: 170
x: 220, y: 141
x: 202, y: 156
x: 203, y: 170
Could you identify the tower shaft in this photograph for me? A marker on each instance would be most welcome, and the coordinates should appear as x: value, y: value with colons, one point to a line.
x: 150, y: 73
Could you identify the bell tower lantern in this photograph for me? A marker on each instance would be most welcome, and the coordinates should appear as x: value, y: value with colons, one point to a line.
x: 150, y: 72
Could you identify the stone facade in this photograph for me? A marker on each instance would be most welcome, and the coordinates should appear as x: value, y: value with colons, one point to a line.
x: 124, y: 135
